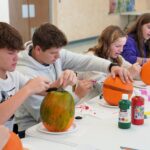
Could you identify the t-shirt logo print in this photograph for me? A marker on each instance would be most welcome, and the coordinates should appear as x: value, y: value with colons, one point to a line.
x: 4, y: 96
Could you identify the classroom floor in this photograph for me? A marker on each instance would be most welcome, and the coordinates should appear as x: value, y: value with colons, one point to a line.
x: 81, y: 46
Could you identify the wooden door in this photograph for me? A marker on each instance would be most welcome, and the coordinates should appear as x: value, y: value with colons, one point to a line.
x: 41, y: 14
x: 26, y: 23
x: 16, y: 20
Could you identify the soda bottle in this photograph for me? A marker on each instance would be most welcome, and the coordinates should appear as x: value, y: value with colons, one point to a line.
x: 124, y: 112
x: 137, y: 104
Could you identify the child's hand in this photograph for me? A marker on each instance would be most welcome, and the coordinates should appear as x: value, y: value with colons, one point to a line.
x: 68, y: 77
x: 83, y: 87
x: 123, y: 73
x: 37, y: 85
x: 135, y: 70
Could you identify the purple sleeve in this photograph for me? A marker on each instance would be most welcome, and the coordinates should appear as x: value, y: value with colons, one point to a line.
x: 130, y: 50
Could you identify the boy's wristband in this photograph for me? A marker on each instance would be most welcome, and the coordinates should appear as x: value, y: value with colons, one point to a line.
x: 111, y: 65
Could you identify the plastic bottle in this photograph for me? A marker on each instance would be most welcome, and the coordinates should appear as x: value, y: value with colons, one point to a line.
x: 124, y: 112
x: 137, y: 111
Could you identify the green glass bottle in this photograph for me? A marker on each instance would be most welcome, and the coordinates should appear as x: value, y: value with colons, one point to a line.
x: 124, y: 113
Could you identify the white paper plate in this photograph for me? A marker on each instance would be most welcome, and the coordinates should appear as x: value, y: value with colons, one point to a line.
x: 102, y: 102
x: 73, y: 128
x: 139, y: 84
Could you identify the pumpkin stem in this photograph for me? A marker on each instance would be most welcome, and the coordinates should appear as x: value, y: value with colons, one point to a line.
x: 51, y: 89
x: 55, y: 89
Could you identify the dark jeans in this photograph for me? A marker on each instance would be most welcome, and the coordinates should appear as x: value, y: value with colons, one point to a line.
x: 21, y: 134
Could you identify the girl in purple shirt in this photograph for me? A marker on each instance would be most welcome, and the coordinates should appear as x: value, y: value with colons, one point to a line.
x: 137, y: 47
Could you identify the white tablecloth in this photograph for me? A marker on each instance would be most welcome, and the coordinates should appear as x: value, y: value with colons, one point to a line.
x: 97, y: 130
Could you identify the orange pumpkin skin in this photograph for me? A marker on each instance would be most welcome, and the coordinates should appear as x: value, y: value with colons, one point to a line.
x: 14, y: 143
x: 57, y: 111
x: 145, y: 73
x: 113, y: 88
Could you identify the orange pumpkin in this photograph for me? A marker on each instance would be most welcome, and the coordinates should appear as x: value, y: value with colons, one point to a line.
x: 57, y: 111
x: 14, y: 143
x: 113, y: 88
x: 145, y: 73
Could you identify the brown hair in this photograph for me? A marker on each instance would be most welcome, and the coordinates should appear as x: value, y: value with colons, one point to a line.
x: 9, y: 37
x: 48, y: 36
x: 108, y: 36
x: 136, y: 30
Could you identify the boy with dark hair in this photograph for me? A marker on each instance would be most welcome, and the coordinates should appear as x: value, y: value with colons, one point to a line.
x: 12, y: 91
x: 47, y: 58
x: 48, y: 36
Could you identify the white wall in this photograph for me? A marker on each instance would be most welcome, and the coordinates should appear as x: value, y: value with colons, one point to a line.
x: 81, y: 19
x: 142, y: 5
x: 4, y: 11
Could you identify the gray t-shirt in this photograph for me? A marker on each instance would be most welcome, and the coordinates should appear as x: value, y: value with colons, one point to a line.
x: 8, y: 88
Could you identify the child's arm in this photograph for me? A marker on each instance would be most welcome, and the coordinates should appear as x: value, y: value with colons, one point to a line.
x: 8, y: 107
x: 4, y: 136
x: 135, y: 70
x: 83, y: 87
x: 141, y: 60
x: 68, y: 77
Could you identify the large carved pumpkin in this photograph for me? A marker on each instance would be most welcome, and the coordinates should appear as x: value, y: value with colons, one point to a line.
x: 14, y: 143
x: 113, y: 88
x: 145, y: 73
x: 57, y: 111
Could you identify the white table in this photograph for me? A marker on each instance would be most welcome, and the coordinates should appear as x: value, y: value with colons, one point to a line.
x: 32, y: 143
x: 95, y: 133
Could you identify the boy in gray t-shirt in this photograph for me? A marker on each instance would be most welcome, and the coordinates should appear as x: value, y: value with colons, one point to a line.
x: 12, y: 91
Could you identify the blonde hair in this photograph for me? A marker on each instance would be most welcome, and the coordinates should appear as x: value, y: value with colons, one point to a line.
x: 108, y: 36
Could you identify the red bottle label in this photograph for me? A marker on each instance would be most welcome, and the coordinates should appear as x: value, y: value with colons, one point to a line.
x: 139, y: 112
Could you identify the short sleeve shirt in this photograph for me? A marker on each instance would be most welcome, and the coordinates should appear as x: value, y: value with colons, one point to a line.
x: 9, y: 87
